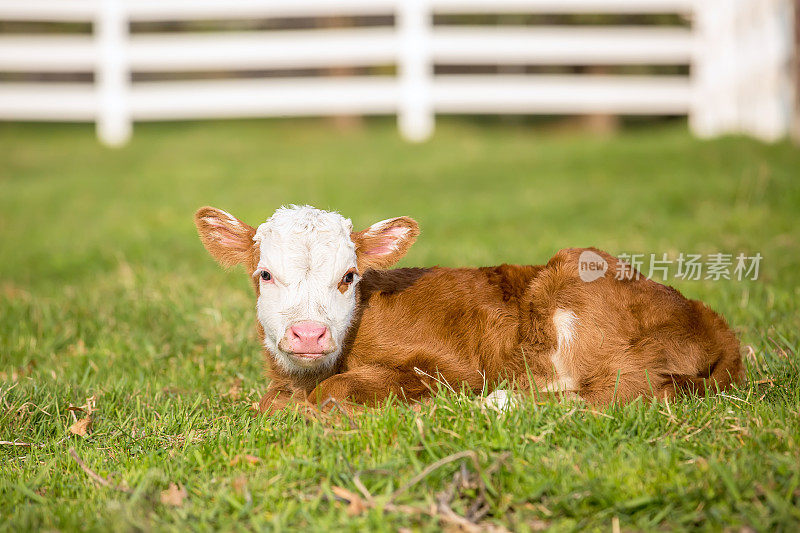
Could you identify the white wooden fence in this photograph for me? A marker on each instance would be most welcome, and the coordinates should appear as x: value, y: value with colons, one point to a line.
x: 739, y: 53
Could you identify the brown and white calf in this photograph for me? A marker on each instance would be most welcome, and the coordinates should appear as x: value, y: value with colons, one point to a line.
x: 336, y: 324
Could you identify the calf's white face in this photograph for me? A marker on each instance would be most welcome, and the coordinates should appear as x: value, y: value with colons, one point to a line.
x: 307, y: 271
x: 306, y: 264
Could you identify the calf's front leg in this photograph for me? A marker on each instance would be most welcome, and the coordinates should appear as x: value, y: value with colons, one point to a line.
x: 370, y: 385
x: 280, y: 396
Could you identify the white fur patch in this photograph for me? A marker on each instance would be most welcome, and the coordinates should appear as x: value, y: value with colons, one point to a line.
x: 566, y: 330
x: 378, y: 226
x: 499, y: 400
x: 307, y: 251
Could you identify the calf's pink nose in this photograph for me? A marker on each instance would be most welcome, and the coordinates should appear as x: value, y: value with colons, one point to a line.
x: 308, y: 337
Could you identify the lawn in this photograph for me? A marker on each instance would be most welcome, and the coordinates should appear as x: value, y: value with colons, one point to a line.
x: 109, y: 303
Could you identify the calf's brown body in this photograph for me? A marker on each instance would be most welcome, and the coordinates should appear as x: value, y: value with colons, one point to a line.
x: 475, y: 328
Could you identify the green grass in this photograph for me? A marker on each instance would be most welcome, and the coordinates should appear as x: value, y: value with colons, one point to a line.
x: 105, y: 291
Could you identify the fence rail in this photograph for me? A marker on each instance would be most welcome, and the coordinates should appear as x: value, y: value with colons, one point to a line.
x: 739, y: 56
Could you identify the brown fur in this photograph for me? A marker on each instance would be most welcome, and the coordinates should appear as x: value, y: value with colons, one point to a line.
x: 473, y: 328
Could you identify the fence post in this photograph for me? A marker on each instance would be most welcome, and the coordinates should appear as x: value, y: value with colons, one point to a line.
x: 111, y: 73
x: 795, y: 74
x: 771, y: 73
x: 714, y: 73
x: 415, y: 70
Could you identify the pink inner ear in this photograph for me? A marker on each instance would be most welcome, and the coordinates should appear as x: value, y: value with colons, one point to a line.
x: 381, y: 249
x: 212, y: 221
x: 388, y: 241
x: 224, y: 239
x: 395, y: 232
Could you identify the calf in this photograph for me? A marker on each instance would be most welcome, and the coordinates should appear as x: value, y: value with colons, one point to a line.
x: 335, y: 323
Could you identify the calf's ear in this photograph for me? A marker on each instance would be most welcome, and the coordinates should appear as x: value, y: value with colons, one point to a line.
x: 227, y: 239
x: 384, y: 243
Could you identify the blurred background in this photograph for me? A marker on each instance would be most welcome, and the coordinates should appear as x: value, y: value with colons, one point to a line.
x: 726, y: 64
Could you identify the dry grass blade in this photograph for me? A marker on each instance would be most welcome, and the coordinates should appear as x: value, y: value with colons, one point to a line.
x: 440, y: 379
x: 723, y: 395
x: 362, y: 488
x: 17, y: 443
x: 597, y: 413
x: 94, y: 475
x: 751, y: 355
x: 330, y: 400
x: 433, y: 467
x: 451, y: 517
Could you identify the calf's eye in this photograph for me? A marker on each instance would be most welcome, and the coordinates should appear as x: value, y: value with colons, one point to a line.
x: 347, y: 280
x: 265, y: 275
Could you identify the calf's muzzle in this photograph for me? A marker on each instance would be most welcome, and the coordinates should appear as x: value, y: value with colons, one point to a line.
x: 307, y: 339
